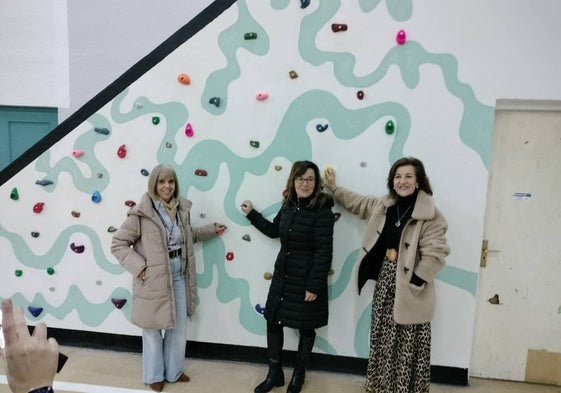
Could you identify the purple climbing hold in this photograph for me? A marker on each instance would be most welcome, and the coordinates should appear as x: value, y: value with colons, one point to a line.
x: 77, y: 249
x: 119, y: 303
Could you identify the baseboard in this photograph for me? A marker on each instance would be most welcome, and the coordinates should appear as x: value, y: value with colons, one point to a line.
x: 238, y: 353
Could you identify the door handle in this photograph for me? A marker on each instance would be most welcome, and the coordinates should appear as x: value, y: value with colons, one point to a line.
x: 484, y: 251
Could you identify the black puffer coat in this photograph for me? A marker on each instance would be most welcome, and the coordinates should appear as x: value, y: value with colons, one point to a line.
x: 302, y: 264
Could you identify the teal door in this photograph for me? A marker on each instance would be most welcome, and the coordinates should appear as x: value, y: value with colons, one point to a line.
x: 21, y: 128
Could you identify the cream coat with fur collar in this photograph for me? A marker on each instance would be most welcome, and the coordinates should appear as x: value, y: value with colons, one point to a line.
x: 422, y: 249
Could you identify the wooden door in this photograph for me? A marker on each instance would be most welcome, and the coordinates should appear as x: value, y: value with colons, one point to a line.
x: 517, y: 332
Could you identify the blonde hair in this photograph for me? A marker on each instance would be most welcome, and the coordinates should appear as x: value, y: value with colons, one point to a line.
x: 161, y: 171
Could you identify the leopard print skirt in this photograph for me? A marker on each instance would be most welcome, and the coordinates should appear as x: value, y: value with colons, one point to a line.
x: 399, y: 359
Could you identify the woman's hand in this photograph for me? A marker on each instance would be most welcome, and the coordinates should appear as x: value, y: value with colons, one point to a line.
x: 329, y: 178
x: 246, y: 206
x: 310, y: 297
x: 219, y: 228
x: 31, y: 360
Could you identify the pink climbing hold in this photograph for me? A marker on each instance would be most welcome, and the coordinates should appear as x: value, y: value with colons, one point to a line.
x: 189, y: 130
x: 122, y: 152
x: 78, y: 153
x: 38, y: 207
x: 262, y: 96
x: 401, y: 37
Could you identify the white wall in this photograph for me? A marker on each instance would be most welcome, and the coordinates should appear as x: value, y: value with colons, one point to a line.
x: 444, y: 116
x: 34, y: 53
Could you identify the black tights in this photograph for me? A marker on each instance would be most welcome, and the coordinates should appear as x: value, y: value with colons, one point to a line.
x: 277, y: 329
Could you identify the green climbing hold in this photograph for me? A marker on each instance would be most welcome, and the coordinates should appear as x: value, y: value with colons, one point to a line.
x: 50, y: 271
x: 14, y: 194
x: 390, y: 127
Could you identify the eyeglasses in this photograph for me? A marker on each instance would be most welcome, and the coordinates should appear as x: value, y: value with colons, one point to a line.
x: 301, y: 180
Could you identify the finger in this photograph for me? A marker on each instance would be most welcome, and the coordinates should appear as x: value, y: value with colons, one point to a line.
x: 53, y: 343
x: 40, y: 331
x: 8, y: 322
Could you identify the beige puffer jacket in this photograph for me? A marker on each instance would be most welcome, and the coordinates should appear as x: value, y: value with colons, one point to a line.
x: 140, y: 246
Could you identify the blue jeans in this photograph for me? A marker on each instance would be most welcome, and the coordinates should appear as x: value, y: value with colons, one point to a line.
x: 163, y: 358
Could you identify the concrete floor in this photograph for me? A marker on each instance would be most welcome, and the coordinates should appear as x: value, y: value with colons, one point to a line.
x: 94, y: 371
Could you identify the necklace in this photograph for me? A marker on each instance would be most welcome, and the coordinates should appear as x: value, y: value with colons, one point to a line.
x: 398, y: 222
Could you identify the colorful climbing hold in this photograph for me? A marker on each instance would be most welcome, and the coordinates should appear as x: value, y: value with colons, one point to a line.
x: 278, y: 167
x: 201, y: 172
x: 35, y: 311
x: 304, y: 3
x: 44, y: 182
x: 331, y: 272
x: 337, y: 216
x: 14, y: 194
x: 38, y: 207
x: 169, y: 145
x: 103, y: 131
x: 50, y: 271
x: 259, y: 309
x: 230, y: 256
x: 18, y: 273
x: 119, y: 303
x: 155, y: 120
x: 144, y: 172
x: 35, y: 234
x: 246, y: 237
x: 75, y: 213
x: 99, y: 175
x: 215, y: 101
x: 321, y: 128
x: 293, y: 74
x: 336, y: 27
x: 250, y: 36
x: 262, y: 96
x: 202, y: 215
x: 254, y: 144
x: 130, y: 203
x: 184, y: 79
x: 96, y: 197
x: 360, y: 94
x: 77, y: 153
x: 77, y: 249
x: 267, y: 276
x: 189, y: 130
x: 111, y: 229
x: 401, y: 37
x: 122, y: 151
x: 390, y: 127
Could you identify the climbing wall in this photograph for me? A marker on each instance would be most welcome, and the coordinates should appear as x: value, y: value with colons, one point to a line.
x: 346, y: 84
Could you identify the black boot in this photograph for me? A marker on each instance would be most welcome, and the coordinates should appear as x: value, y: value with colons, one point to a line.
x: 275, y: 376
x: 305, y: 346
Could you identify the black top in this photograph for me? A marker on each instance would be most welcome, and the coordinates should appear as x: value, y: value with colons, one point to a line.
x: 371, y: 264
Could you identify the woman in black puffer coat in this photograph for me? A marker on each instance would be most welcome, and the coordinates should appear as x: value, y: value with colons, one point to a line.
x: 298, y: 293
